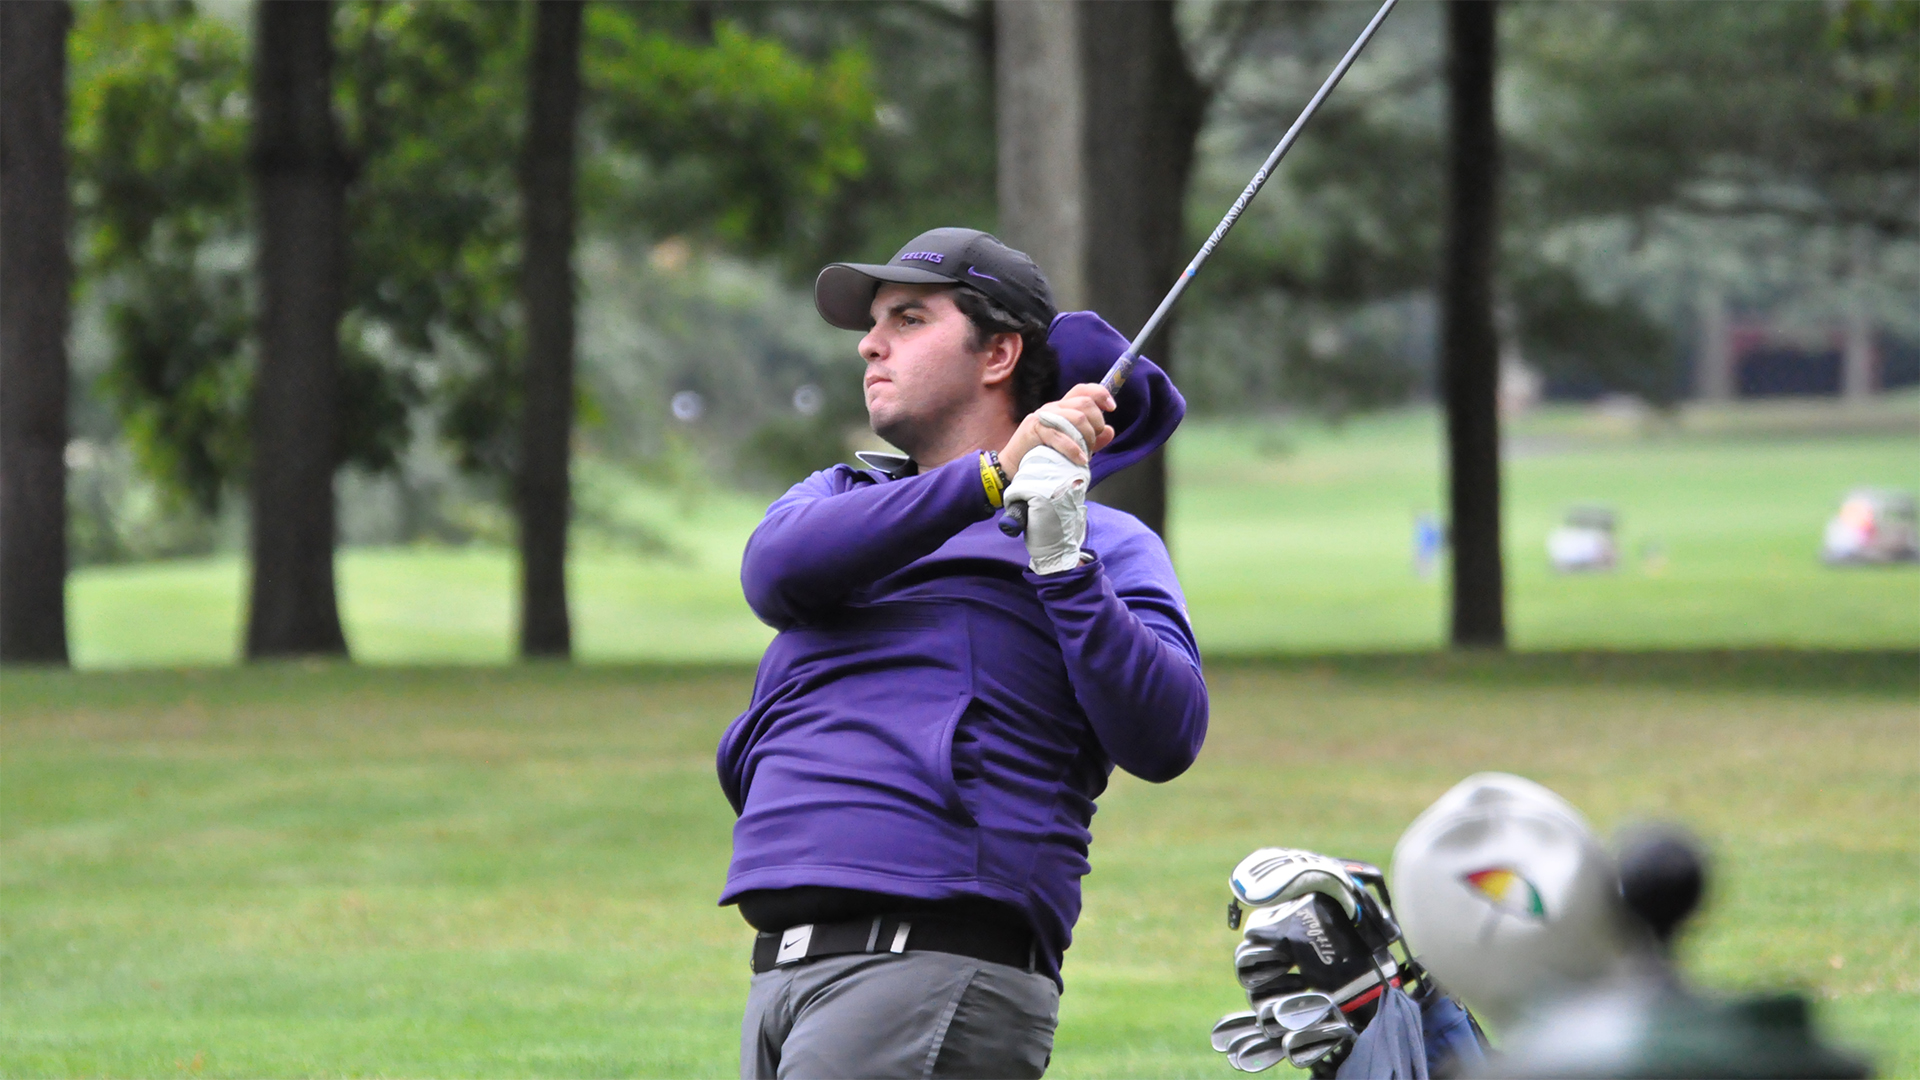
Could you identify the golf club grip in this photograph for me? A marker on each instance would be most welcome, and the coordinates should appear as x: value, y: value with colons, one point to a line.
x: 1013, y: 520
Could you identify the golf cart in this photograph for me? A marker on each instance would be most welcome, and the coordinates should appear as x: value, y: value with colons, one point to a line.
x: 1873, y: 527
x: 1585, y: 542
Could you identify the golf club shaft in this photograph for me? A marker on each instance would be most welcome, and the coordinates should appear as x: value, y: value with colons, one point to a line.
x: 1013, y: 520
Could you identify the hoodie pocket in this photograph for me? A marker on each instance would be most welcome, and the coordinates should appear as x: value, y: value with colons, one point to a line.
x: 857, y: 716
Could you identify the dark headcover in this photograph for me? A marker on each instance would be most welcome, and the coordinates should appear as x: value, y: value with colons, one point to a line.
x: 1149, y: 408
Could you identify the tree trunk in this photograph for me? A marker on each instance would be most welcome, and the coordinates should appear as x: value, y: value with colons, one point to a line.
x: 1040, y: 125
x: 546, y: 294
x: 1469, y: 347
x: 1140, y: 151
x: 1714, y: 377
x: 1858, y: 359
x: 35, y: 275
x: 299, y: 177
x: 1107, y: 226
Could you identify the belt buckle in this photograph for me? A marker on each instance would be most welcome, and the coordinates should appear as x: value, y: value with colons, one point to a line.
x: 793, y: 944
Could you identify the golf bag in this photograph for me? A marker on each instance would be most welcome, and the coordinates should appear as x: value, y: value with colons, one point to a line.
x: 1327, y: 992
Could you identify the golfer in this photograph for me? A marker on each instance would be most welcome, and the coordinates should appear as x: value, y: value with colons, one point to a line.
x: 915, y: 777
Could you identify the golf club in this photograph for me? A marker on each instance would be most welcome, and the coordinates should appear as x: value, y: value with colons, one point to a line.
x: 1244, y: 1042
x: 1306, y: 1047
x: 1312, y: 1055
x: 1252, y: 954
x: 1231, y: 1028
x: 1013, y: 520
x: 1269, y: 980
x: 1258, y: 1056
x: 1296, y: 1012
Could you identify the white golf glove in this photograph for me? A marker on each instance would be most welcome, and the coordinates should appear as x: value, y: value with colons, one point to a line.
x: 1055, y: 491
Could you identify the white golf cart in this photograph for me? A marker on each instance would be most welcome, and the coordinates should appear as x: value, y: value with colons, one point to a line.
x: 1585, y: 542
x: 1873, y: 527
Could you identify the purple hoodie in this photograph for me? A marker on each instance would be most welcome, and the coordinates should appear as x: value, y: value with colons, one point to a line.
x: 933, y: 720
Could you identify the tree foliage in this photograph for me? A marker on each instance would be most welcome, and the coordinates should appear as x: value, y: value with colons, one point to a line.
x: 431, y: 100
x: 711, y: 130
x: 1656, y: 118
x: 159, y: 139
x: 737, y: 135
x: 1786, y: 109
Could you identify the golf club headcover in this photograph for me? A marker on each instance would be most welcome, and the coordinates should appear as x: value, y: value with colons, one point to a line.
x: 1275, y: 875
x: 1310, y: 943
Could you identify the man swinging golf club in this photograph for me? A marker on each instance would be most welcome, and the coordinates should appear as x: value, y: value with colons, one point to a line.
x: 916, y: 774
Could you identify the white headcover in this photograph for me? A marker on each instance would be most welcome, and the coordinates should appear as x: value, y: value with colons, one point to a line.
x: 1275, y: 875
x: 1505, y: 894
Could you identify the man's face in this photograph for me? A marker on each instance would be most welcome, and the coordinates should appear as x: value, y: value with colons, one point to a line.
x: 921, y: 369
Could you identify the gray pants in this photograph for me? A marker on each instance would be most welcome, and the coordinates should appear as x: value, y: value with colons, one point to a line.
x: 866, y: 1016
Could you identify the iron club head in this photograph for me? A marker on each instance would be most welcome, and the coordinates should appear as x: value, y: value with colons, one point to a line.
x: 1252, y: 953
x: 1294, y: 1012
x: 1258, y: 1056
x: 1241, y: 1045
x: 1312, y: 1055
x: 1309, y: 1045
x: 1231, y: 1027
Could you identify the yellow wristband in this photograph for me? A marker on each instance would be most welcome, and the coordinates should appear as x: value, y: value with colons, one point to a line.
x: 990, y: 480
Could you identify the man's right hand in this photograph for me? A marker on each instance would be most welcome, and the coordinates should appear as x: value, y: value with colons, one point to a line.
x: 1085, y: 407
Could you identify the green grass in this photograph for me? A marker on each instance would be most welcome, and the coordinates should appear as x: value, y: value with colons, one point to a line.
x: 332, y: 870
x: 469, y: 870
x: 1289, y: 538
x: 1301, y: 539
x: 446, y: 605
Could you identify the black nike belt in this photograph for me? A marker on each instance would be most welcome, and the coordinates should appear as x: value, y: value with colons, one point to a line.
x: 894, y: 934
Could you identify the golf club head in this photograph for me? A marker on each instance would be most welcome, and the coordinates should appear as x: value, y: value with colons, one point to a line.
x: 1259, y: 965
x: 1341, y: 1024
x: 1269, y: 980
x: 1231, y: 1027
x: 1295, y: 1012
x: 1243, y: 1042
x: 1250, y: 954
x: 1258, y: 1056
x: 1335, y: 1029
x: 1313, y: 1055
x: 1308, y: 1046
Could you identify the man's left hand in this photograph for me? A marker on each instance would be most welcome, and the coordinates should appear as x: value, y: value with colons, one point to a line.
x: 1055, y: 491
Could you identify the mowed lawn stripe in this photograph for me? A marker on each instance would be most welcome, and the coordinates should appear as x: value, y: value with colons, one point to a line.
x: 511, y: 871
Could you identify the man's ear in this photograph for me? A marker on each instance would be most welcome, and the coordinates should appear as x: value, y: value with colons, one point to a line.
x: 1003, y: 355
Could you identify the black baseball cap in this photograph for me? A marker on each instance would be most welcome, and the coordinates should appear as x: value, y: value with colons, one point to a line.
x: 844, y: 291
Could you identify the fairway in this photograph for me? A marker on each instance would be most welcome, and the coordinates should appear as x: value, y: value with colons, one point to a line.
x: 1289, y: 537
x: 331, y: 870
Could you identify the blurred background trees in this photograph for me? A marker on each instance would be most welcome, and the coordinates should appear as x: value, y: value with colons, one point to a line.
x: 1653, y: 152
x: 1674, y: 176
x: 1099, y: 111
x: 728, y: 136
